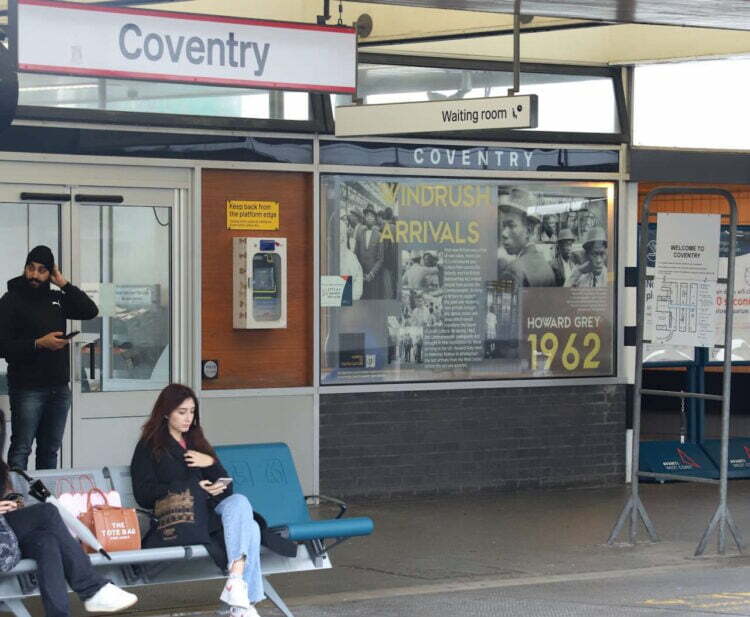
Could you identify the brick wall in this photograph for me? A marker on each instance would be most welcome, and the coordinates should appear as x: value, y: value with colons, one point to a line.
x: 464, y: 441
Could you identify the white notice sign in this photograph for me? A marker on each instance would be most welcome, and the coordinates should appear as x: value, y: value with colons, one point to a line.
x: 500, y: 112
x: 335, y: 291
x: 122, y: 42
x: 687, y: 264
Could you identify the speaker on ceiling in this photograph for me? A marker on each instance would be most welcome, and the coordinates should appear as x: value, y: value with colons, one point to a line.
x: 363, y: 25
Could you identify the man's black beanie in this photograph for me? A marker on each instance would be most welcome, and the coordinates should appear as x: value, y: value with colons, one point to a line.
x: 42, y: 255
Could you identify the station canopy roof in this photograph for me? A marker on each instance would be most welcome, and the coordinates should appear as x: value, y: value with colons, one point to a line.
x: 594, y: 32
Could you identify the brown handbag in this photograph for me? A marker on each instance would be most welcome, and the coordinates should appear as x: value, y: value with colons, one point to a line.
x: 116, y: 528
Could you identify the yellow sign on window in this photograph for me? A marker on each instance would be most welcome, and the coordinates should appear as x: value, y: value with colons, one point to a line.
x: 252, y: 215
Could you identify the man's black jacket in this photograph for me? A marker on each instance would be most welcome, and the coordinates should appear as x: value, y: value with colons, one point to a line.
x: 27, y: 314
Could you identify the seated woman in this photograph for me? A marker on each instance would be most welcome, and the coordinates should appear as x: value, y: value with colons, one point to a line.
x: 43, y: 536
x: 173, y: 452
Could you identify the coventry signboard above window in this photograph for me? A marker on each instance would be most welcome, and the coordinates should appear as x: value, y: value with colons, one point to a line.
x: 84, y: 39
x: 494, y: 158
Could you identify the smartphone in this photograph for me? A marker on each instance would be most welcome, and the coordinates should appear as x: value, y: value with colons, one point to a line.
x: 70, y: 335
x: 223, y: 481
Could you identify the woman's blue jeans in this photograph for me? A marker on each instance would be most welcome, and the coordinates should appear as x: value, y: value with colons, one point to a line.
x: 242, y: 539
x: 37, y: 413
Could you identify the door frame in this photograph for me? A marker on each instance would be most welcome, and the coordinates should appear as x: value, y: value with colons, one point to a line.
x: 125, y: 177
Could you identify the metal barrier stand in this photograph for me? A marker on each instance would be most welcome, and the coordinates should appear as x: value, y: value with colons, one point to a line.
x: 634, y: 508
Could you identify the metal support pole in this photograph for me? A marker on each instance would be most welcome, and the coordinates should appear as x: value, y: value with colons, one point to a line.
x: 683, y: 421
x: 722, y: 518
x: 516, y: 49
x: 633, y: 508
x: 700, y: 428
x: 691, y: 378
x: 322, y: 19
x: 274, y: 596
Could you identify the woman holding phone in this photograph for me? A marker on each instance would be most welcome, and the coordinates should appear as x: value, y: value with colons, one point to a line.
x: 173, y: 452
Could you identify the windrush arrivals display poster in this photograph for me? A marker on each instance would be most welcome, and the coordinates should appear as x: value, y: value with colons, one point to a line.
x: 460, y: 279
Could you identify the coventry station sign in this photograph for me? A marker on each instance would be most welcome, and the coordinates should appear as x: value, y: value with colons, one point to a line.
x: 500, y: 112
x: 129, y: 43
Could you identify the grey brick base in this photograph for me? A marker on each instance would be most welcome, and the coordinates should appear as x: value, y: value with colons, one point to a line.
x: 467, y: 441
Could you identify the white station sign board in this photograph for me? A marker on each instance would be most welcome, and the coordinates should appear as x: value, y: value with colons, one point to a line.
x: 682, y: 311
x: 501, y: 112
x: 130, y: 43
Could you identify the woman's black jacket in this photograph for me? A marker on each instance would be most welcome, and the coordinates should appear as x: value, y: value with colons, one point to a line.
x: 153, y: 477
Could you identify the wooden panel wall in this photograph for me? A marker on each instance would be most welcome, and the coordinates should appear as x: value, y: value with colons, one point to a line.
x: 700, y: 204
x: 258, y: 358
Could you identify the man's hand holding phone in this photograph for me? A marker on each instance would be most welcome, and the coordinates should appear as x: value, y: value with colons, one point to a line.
x: 51, y: 341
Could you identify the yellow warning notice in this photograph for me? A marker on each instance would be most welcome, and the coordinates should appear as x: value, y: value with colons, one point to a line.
x: 252, y: 215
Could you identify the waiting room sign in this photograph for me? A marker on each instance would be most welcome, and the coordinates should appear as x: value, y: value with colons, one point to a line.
x: 129, y: 43
x: 499, y: 112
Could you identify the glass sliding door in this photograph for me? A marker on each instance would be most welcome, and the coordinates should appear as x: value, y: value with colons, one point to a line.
x: 125, y: 264
x: 123, y: 256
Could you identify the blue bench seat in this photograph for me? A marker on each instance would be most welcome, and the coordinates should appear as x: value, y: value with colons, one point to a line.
x: 266, y: 475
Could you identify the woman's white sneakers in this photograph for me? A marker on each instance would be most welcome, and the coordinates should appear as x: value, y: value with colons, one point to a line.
x: 110, y: 599
x: 235, y: 592
x: 238, y: 611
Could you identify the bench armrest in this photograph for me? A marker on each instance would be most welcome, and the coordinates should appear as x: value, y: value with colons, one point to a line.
x: 338, y: 502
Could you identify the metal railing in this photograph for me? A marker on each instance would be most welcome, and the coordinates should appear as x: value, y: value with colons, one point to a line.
x: 634, y: 509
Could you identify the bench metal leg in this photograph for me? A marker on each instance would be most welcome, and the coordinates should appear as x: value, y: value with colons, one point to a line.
x: 16, y: 607
x: 276, y: 598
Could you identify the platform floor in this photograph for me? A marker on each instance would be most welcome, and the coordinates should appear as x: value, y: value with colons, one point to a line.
x: 539, y: 553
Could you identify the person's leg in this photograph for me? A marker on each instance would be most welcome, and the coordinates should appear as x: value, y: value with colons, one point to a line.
x: 81, y: 576
x: 45, y: 549
x: 42, y: 536
x: 242, y: 538
x: 40, y: 541
x: 25, y: 413
x: 67, y: 558
x: 51, y: 427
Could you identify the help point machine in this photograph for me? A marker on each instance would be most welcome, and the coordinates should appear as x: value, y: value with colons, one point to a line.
x: 259, y: 283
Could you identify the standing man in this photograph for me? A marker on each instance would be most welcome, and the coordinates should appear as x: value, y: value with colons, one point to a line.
x: 563, y: 264
x: 390, y: 258
x: 370, y: 252
x: 549, y: 228
x: 490, y: 336
x: 593, y: 271
x: 32, y: 328
x: 516, y: 226
x: 420, y: 316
